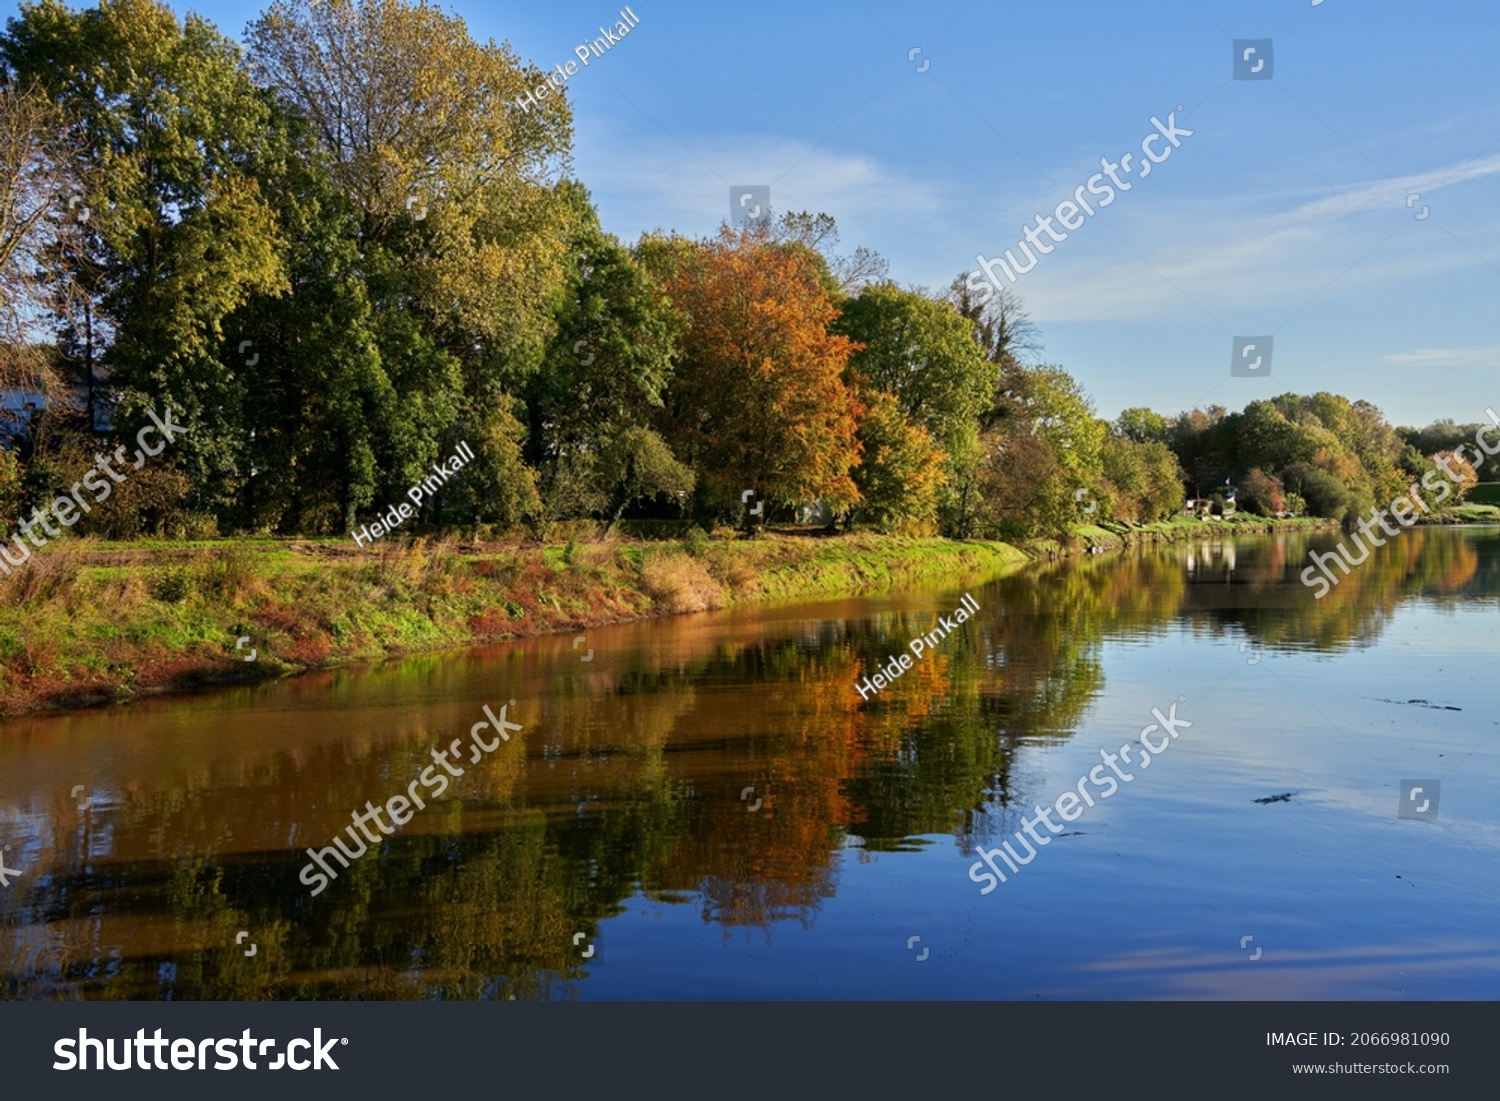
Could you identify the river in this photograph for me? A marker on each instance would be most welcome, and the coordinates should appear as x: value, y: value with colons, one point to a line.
x: 704, y: 807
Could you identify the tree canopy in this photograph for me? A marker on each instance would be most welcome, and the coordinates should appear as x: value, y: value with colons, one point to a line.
x: 341, y: 251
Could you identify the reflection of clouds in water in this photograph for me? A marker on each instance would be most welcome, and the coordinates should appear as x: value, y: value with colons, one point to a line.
x: 1289, y: 972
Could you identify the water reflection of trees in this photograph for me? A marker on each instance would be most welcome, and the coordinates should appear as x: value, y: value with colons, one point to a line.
x: 1268, y: 601
x: 631, y: 783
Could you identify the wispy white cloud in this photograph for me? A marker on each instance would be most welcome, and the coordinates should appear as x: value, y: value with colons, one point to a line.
x: 683, y: 183
x: 1448, y: 357
x: 1261, y: 255
x: 1230, y: 259
x: 1383, y: 194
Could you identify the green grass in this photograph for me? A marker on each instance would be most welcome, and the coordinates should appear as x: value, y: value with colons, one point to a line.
x: 1475, y: 514
x: 87, y: 621
x: 1113, y: 534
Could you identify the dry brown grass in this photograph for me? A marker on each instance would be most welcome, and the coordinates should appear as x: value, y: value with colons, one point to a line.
x: 46, y: 576
x: 680, y: 583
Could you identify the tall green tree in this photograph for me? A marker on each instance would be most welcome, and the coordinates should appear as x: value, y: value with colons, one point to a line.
x: 1142, y: 425
x: 1142, y: 479
x: 180, y: 232
x: 901, y: 473
x: 324, y: 409
x: 1043, y: 449
x: 462, y: 232
x: 923, y: 354
x: 592, y: 406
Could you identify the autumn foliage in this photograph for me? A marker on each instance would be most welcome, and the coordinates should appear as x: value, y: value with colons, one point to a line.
x: 338, y: 250
x: 758, y: 400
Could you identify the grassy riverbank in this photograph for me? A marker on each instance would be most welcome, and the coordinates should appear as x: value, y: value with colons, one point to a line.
x: 1112, y: 535
x: 88, y: 622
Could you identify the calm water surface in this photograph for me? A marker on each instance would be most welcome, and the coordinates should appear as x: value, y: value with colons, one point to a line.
x: 707, y: 809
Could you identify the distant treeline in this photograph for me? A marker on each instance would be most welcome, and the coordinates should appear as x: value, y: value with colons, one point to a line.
x: 340, y: 251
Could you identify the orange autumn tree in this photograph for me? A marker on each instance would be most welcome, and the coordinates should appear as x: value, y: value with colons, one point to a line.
x: 757, y: 401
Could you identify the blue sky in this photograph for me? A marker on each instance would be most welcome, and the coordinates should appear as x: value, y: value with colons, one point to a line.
x: 1285, y: 213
